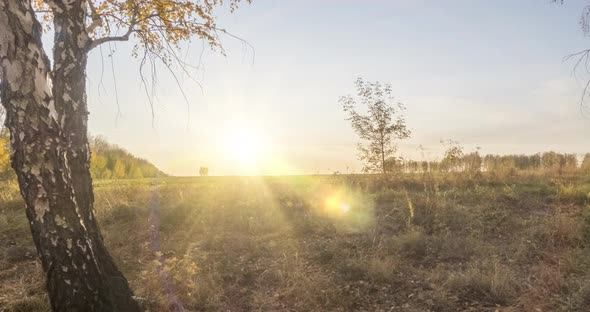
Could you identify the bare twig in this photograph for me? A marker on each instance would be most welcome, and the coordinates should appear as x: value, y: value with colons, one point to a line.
x: 115, y: 83
x: 145, y: 86
x: 581, y: 58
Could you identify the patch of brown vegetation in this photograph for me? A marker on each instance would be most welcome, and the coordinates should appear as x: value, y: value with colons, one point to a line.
x: 433, y: 243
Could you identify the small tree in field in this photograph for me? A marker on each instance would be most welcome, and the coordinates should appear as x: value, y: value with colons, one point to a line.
x: 453, y: 156
x: 382, y: 124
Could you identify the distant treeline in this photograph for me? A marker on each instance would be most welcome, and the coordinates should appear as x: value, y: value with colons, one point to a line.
x: 551, y: 162
x: 108, y: 161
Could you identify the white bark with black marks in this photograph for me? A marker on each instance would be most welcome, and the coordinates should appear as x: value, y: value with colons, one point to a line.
x: 46, y: 115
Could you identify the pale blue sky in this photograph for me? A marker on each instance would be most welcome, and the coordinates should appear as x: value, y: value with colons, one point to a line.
x: 485, y: 73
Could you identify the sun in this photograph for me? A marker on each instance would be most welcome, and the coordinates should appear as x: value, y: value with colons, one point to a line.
x: 245, y: 145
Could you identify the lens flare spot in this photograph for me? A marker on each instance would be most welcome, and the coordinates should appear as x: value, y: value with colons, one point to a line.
x: 337, y: 205
x: 351, y: 210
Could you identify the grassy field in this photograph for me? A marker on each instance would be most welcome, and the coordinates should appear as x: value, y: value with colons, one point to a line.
x: 334, y: 243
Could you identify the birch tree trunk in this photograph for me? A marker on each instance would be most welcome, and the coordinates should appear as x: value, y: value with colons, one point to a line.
x: 46, y: 114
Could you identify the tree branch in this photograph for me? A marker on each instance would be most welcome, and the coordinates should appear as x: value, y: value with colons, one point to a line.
x: 582, y: 58
x: 96, y: 19
x: 96, y: 42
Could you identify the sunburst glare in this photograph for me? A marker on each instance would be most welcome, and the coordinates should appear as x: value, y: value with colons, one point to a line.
x: 247, y: 148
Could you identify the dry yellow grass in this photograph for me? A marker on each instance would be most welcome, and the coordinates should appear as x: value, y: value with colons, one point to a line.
x: 334, y: 243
